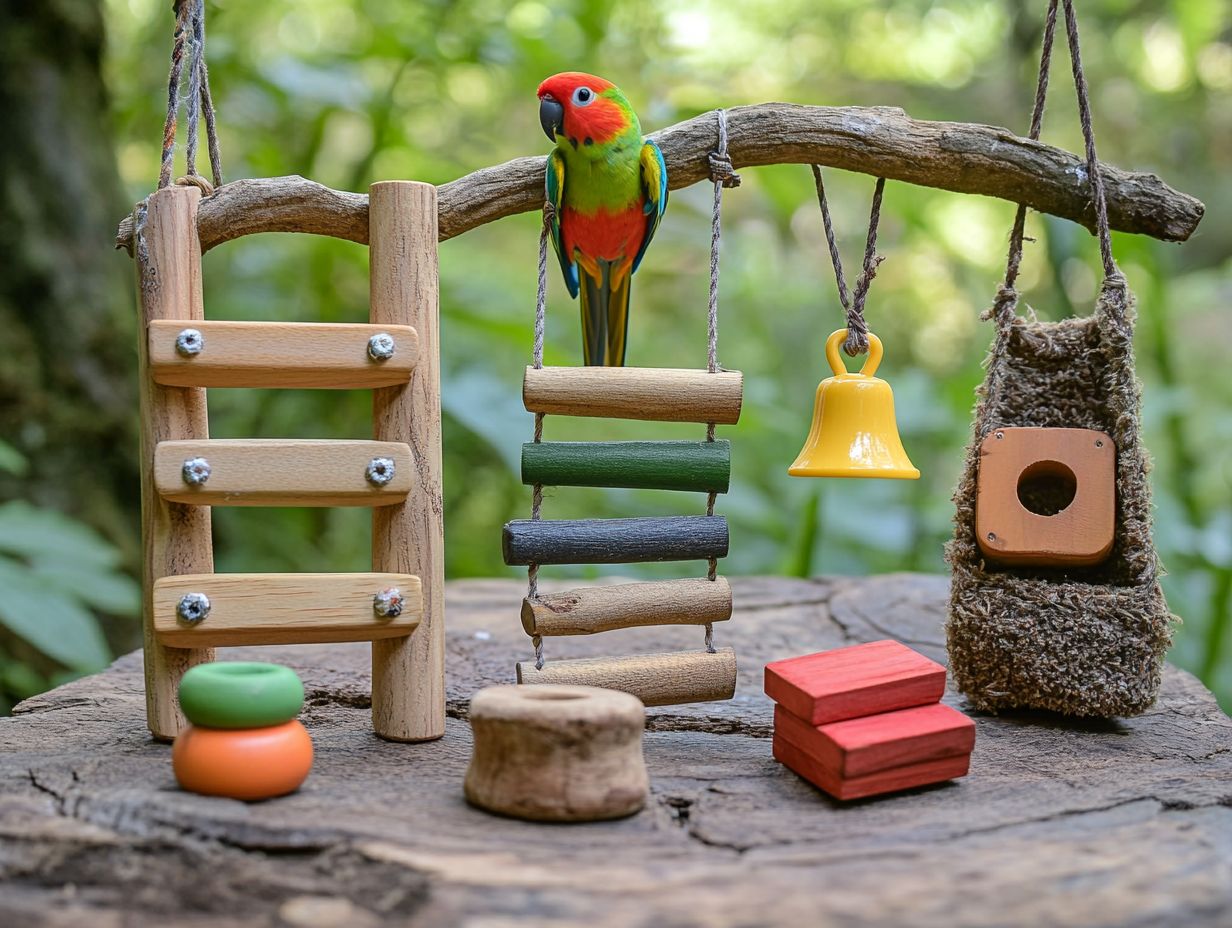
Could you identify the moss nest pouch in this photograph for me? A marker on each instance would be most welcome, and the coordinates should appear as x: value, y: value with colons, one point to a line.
x: 1055, y: 600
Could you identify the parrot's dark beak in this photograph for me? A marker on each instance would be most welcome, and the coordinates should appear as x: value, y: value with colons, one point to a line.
x: 551, y: 116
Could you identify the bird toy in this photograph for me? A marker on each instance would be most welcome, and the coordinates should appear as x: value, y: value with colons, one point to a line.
x: 608, y: 189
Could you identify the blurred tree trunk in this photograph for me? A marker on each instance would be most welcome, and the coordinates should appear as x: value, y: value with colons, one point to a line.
x: 67, y: 358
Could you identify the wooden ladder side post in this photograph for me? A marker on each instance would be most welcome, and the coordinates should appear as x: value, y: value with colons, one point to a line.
x: 408, y: 674
x: 175, y: 538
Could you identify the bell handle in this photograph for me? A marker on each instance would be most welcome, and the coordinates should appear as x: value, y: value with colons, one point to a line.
x: 836, y: 363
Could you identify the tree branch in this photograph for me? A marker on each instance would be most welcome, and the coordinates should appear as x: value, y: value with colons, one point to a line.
x: 880, y: 141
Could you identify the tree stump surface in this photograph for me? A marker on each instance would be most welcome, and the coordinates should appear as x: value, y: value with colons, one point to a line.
x: 1061, y: 822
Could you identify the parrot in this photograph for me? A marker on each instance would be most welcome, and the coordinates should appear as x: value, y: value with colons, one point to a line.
x: 608, y: 187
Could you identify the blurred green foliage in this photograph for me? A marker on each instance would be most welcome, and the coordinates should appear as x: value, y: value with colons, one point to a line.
x: 351, y: 91
x: 56, y: 577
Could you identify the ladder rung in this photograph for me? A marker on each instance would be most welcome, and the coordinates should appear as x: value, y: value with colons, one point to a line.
x: 322, y: 355
x: 284, y: 472
x: 628, y: 605
x: 651, y: 393
x: 656, y: 679
x: 614, y: 541
x: 702, y: 466
x: 283, y: 608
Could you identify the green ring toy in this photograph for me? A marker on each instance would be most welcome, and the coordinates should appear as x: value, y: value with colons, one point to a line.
x: 240, y: 694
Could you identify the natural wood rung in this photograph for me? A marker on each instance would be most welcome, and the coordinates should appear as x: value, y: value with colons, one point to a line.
x: 285, y: 608
x: 650, y: 393
x: 656, y: 679
x: 628, y: 605
x: 322, y: 355
x: 284, y: 472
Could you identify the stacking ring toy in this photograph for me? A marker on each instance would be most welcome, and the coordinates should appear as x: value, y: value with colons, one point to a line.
x: 259, y: 763
x: 240, y: 694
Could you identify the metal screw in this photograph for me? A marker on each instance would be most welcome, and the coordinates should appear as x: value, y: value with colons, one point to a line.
x: 1099, y: 443
x: 992, y: 536
x: 380, y: 471
x: 195, y: 471
x: 388, y: 603
x: 1000, y: 435
x: 189, y: 342
x: 193, y: 608
x: 381, y: 346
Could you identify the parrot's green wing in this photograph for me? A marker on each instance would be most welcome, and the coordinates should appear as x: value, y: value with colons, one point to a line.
x: 554, y: 186
x: 654, y: 188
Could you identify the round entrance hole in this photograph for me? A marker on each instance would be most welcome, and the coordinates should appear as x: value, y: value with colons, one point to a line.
x: 1047, y: 488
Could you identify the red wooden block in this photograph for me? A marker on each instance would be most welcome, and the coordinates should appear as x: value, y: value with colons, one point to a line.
x: 846, y: 683
x: 872, y: 784
x: 857, y: 747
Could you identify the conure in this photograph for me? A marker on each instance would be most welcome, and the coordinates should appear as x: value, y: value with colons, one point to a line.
x: 609, y: 189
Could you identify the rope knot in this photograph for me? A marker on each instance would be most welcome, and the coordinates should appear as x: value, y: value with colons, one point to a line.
x: 721, y: 170
x: 196, y: 180
x: 549, y: 211
x: 1003, y: 305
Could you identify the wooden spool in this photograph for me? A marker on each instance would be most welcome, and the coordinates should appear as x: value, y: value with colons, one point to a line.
x: 1022, y: 467
x: 703, y: 466
x: 614, y: 541
x: 649, y: 393
x: 656, y: 679
x: 557, y: 753
x: 628, y: 605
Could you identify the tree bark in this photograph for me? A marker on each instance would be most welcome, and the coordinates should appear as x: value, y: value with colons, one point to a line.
x: 880, y: 141
x: 1081, y: 823
x: 67, y: 390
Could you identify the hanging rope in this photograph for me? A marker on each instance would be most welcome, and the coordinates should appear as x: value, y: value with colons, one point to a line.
x: 853, y: 305
x: 1006, y: 301
x: 536, y: 499
x: 722, y: 174
x: 1007, y: 296
x: 198, y: 102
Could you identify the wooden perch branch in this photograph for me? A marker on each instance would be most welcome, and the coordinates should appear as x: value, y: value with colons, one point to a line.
x: 880, y: 141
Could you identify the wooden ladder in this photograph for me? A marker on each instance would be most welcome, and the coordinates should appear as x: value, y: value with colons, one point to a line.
x: 188, y: 609
x: 664, y: 395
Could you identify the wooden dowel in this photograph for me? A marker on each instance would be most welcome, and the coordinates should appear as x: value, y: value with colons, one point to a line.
x: 614, y: 541
x: 285, y: 472
x: 313, y: 355
x: 649, y: 393
x: 408, y: 674
x: 247, y: 609
x: 628, y: 605
x: 175, y: 539
x: 656, y: 679
x: 703, y: 466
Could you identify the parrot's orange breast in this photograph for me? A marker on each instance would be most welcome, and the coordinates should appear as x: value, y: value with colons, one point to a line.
x: 604, y: 235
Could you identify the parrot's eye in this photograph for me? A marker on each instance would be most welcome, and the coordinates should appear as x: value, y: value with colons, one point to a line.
x: 583, y: 96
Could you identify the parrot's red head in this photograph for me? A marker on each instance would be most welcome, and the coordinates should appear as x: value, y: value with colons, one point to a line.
x: 583, y: 110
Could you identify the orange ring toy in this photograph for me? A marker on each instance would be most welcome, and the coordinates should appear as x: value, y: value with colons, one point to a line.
x: 247, y: 763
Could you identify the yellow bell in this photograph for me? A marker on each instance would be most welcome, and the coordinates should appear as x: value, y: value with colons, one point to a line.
x: 854, y: 432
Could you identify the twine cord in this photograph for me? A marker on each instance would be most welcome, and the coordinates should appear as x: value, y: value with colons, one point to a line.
x: 722, y: 174
x: 198, y: 102
x: 853, y: 303
x: 1114, y: 303
x: 536, y: 499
